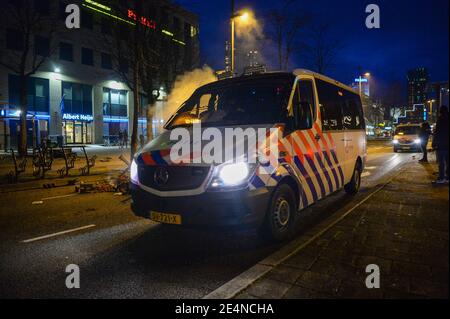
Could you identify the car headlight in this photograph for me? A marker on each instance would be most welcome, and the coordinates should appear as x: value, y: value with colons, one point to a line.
x: 395, y: 141
x: 134, y: 173
x: 418, y: 141
x: 231, y: 175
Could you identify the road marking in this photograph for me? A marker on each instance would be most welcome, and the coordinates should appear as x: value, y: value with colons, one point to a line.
x: 61, y: 196
x: 241, y: 282
x: 365, y: 174
x: 370, y: 168
x: 57, y: 234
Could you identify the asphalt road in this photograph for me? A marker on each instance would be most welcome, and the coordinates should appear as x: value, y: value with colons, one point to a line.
x: 121, y: 256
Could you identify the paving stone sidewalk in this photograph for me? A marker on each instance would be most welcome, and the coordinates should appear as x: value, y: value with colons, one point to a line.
x: 403, y: 229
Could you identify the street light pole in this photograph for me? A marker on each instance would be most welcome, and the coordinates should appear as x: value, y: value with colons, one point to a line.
x: 232, y: 37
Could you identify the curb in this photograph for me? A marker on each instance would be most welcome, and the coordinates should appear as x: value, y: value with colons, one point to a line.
x: 241, y: 282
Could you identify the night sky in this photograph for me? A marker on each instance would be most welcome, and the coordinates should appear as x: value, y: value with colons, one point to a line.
x: 413, y: 33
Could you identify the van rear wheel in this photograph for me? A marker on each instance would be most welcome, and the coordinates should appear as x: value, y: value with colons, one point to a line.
x: 279, y: 224
x: 353, y: 187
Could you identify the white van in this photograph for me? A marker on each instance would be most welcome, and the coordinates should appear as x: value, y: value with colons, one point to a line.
x: 322, y: 149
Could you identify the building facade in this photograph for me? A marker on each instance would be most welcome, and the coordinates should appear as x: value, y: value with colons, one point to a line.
x: 77, y: 92
x: 417, y: 86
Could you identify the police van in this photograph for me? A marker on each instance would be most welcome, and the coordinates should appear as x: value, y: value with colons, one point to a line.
x: 321, y: 149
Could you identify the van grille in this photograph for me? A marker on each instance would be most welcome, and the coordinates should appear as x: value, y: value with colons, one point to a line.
x: 179, y: 177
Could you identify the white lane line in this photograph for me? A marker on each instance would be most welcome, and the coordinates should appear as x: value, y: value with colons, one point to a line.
x: 365, y: 174
x: 370, y: 168
x: 57, y: 234
x: 61, y: 196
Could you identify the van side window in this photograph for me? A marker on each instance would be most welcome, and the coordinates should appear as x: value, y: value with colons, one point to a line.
x: 303, y: 105
x: 352, y: 112
x: 330, y: 105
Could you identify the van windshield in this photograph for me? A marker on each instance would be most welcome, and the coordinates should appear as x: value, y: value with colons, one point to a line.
x: 407, y: 130
x: 260, y: 100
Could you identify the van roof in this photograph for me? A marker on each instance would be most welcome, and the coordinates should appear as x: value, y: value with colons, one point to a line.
x: 322, y: 77
x: 296, y: 72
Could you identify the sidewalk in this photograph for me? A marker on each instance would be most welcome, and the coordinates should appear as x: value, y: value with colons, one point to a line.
x: 107, y: 163
x: 403, y: 229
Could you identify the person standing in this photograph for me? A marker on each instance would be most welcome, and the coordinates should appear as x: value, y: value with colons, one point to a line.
x: 424, y: 136
x: 440, y: 144
x: 125, y: 138
x: 120, y: 139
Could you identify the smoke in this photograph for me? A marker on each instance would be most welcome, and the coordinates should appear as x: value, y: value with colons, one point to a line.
x: 250, y: 37
x: 185, y: 85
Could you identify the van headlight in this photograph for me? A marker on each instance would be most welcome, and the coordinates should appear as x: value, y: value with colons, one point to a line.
x: 395, y: 141
x: 418, y: 141
x: 134, y: 173
x: 231, y: 175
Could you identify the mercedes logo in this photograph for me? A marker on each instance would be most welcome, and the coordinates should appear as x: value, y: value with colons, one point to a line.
x: 161, y: 176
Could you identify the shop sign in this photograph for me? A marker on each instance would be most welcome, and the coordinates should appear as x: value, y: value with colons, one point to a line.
x: 78, y: 117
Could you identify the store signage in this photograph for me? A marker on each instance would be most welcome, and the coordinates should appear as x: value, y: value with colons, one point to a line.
x: 144, y: 21
x: 78, y: 117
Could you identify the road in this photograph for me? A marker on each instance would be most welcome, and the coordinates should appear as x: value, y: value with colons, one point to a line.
x: 121, y: 256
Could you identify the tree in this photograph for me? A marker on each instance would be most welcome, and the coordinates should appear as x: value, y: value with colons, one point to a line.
x: 284, y: 26
x: 131, y: 57
x: 153, y: 58
x: 322, y: 49
x: 25, y: 21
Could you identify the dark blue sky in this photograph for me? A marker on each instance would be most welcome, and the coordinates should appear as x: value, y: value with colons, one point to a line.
x: 413, y: 33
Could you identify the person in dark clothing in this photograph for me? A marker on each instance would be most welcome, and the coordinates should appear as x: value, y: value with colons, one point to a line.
x: 440, y: 144
x: 424, y: 135
x: 120, y: 139
x: 125, y: 138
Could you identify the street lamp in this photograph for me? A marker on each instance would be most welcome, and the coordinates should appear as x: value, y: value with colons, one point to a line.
x: 244, y: 17
x: 365, y: 76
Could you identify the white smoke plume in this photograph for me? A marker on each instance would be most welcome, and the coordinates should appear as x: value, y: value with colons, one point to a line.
x: 185, y: 85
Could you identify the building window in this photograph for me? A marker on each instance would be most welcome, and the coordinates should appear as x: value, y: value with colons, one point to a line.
x: 66, y: 51
x: 106, y: 26
x: 123, y: 66
x: 77, y: 98
x: 115, y: 103
x: 14, y: 39
x: 42, y: 7
x: 87, y: 20
x: 106, y: 61
x: 87, y: 56
x: 42, y: 45
x: 37, y: 94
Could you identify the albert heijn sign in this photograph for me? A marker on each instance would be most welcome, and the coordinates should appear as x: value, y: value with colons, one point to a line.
x: 77, y: 117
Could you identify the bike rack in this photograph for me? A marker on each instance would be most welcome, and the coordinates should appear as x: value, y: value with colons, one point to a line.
x: 19, y: 167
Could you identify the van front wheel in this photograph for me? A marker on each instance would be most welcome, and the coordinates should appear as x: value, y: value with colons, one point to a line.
x: 353, y: 187
x: 279, y: 224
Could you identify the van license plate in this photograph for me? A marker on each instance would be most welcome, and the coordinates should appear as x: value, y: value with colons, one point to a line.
x: 166, y: 218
